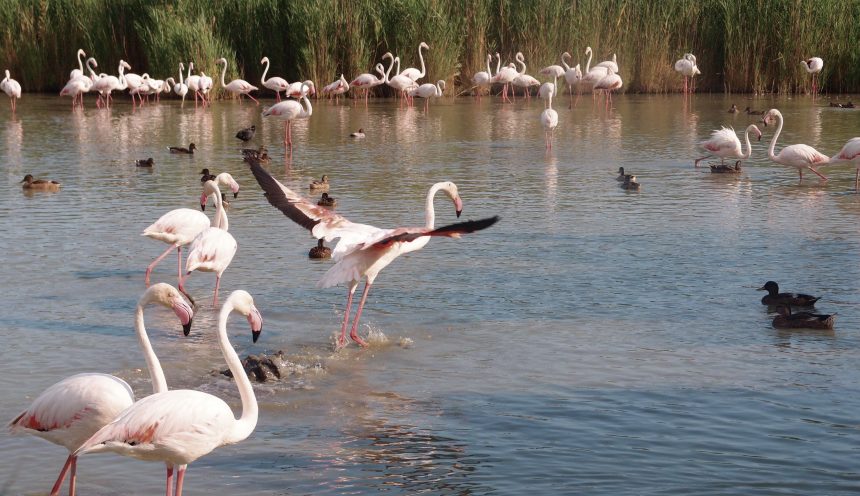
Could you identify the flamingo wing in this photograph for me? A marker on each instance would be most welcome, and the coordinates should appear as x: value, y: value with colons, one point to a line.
x: 212, y: 250
x: 180, y: 226
x: 849, y: 152
x: 406, y: 234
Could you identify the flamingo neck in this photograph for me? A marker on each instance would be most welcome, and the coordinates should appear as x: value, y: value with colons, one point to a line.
x: 775, y: 136
x: 159, y: 383
x: 265, y: 71
x: 498, y: 63
x: 122, y: 84
x: 223, y: 72
x: 421, y: 56
x: 244, y: 426
x: 190, y: 66
x: 749, y: 145
x: 429, y: 210
x: 92, y: 71
x: 564, y: 63
x: 523, y: 62
x: 388, y: 72
x: 220, y: 214
x: 180, y: 73
x: 308, y: 108
x: 588, y: 63
x: 489, y: 71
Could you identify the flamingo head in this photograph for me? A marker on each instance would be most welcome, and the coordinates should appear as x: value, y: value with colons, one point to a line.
x: 166, y: 295
x: 243, y: 302
x: 209, y: 188
x: 756, y: 131
x: 222, y: 60
x: 264, y: 60
x: 587, y: 50
x: 769, y: 116
x: 388, y: 55
x: 450, y: 189
x: 424, y: 45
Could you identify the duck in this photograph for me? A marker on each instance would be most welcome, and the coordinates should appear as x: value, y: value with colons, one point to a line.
x: 144, y: 163
x: 39, y: 184
x: 734, y: 109
x: 621, y: 175
x: 630, y: 183
x: 836, y: 104
x: 753, y: 112
x: 320, y: 251
x: 802, y: 320
x: 321, y: 185
x: 327, y: 201
x: 774, y: 297
x: 850, y: 104
x: 247, y: 134
x: 726, y: 169
x: 206, y: 176
x: 179, y: 149
x: 357, y: 134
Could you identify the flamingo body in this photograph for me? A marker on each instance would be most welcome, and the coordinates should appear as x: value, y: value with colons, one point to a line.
x: 799, y: 156
x: 725, y: 144
x: 11, y: 88
x: 274, y: 83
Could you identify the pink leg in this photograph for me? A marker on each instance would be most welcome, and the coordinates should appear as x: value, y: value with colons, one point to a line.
x: 856, y: 179
x: 252, y: 98
x: 341, y: 342
x: 353, y: 333
x: 55, y: 491
x: 817, y: 173
x: 180, y: 478
x: 73, y: 476
x: 179, y: 257
x: 169, y: 490
x: 217, y: 285
x: 285, y: 133
x: 160, y: 258
x: 696, y: 162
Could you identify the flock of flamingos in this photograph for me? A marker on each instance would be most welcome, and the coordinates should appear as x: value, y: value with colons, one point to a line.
x: 97, y: 412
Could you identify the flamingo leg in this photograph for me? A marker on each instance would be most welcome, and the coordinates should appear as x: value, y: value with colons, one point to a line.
x: 696, y: 162
x: 160, y: 258
x: 55, y: 491
x: 341, y: 342
x: 169, y: 490
x: 73, y: 476
x: 180, y: 478
x: 252, y: 98
x: 353, y: 333
x: 817, y: 173
x: 856, y: 180
x: 290, y: 134
x: 179, y: 256
x: 217, y: 285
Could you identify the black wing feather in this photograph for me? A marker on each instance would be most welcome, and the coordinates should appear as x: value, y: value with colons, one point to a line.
x: 469, y: 226
x: 276, y: 197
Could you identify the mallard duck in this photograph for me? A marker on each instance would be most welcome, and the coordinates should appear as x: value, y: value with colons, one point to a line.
x: 630, y: 183
x: 206, y: 176
x: 753, y: 112
x: 802, y: 320
x: 247, y: 134
x: 179, y: 149
x: 320, y: 250
x: 734, y: 109
x: 144, y: 163
x: 726, y: 169
x: 357, y: 134
x: 622, y: 176
x: 321, y: 185
x: 39, y: 184
x: 327, y: 201
x: 774, y: 297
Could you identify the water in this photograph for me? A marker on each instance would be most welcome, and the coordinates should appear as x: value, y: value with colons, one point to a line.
x: 594, y: 341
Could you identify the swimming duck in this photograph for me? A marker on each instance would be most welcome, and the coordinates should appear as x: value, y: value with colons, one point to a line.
x: 321, y: 185
x: 848, y: 105
x: 726, y: 169
x: 630, y: 183
x: 622, y: 176
x: 247, y: 134
x: 179, y: 149
x: 144, y: 163
x: 753, y: 112
x: 327, y: 201
x: 836, y: 104
x: 734, y: 109
x: 206, y: 176
x: 39, y: 184
x: 357, y: 134
x: 802, y: 320
x: 254, y: 152
x: 774, y: 297
x: 320, y: 251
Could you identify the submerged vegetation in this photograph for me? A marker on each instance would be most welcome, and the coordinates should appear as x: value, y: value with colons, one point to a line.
x: 741, y: 45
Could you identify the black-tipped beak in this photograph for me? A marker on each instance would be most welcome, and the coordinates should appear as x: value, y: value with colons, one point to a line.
x: 186, y: 328
x: 203, y: 207
x: 235, y: 195
x: 458, y: 213
x: 256, y: 335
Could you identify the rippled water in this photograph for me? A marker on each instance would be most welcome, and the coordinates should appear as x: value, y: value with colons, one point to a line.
x: 595, y: 341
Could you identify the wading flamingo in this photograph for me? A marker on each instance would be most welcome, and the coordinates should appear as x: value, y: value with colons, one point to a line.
x: 177, y: 228
x: 798, y: 156
x: 301, y: 88
x: 214, y: 248
x: 274, y: 83
x: 287, y: 111
x: 549, y: 119
x: 572, y: 76
x: 399, y: 82
x: 850, y: 153
x: 524, y: 80
x: 336, y: 88
x: 107, y: 83
x: 504, y: 75
x: 592, y: 75
x: 813, y: 66
x: 482, y: 79
x: 237, y: 86
x: 428, y: 91
x: 80, y: 70
x: 363, y: 250
x: 179, y: 426
x: 11, y: 88
x: 688, y: 68
x: 180, y: 88
x: 609, y: 83
x: 366, y: 81
x: 725, y: 144
x: 413, y: 73
x: 72, y: 410
x: 193, y: 82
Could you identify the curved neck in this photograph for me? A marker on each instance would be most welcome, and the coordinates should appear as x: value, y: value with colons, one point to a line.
x: 223, y: 72
x: 190, y: 66
x: 159, y: 383
x: 749, y: 145
x: 92, y: 71
x: 421, y: 56
x: 388, y: 72
x: 775, y: 136
x: 180, y: 72
x: 244, y: 426
x: 429, y: 211
x: 308, y: 109
x: 563, y: 62
x: 523, y: 62
x: 265, y: 71
x: 122, y: 84
x: 220, y: 213
x: 588, y: 63
x: 489, y: 71
x: 498, y: 63
x: 81, y: 61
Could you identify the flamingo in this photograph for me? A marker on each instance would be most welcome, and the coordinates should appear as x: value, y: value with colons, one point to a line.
x: 798, y: 156
x: 134, y: 81
x: 366, y: 81
x: 214, y: 248
x: 274, y: 83
x: 336, y: 88
x: 206, y: 84
x: 287, y: 111
x: 609, y: 83
x: 226, y: 180
x: 725, y: 144
x: 813, y: 66
x: 363, y: 250
x: 11, y: 88
x: 180, y: 88
x: 428, y: 91
x: 399, y: 82
x: 413, y: 73
x: 613, y: 64
x: 850, y: 153
x: 181, y: 425
x: 549, y: 119
x: 553, y: 70
x: 688, y: 68
x: 80, y: 70
x: 481, y: 78
x: 504, y: 75
x: 107, y: 83
x: 593, y: 75
x: 72, y: 410
x: 237, y: 86
x: 547, y: 90
x: 572, y: 75
x: 297, y: 89
x: 80, y: 84
x: 192, y: 81
x: 522, y: 79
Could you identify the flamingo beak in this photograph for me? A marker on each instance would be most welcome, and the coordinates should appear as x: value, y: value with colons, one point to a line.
x: 185, y: 313
x: 203, y: 202
x: 458, y: 206
x: 256, y: 322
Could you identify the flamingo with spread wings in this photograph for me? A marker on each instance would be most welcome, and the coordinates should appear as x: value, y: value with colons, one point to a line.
x: 363, y: 250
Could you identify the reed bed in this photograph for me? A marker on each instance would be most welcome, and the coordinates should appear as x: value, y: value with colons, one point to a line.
x: 741, y: 45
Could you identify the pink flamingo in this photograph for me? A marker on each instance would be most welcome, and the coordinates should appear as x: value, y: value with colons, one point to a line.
x: 181, y: 425
x: 428, y: 91
x: 549, y: 118
x: 505, y: 76
x: 192, y: 81
x: 289, y: 110
x: 72, y: 410
x: 688, y: 68
x: 572, y: 75
x: 725, y: 144
x: 176, y: 228
x: 399, y: 82
x: 413, y: 73
x: 336, y: 88
x: 367, y: 81
x: 813, y: 66
x: 301, y: 88
x: 79, y: 84
x: 237, y: 86
x: 363, y: 250
x: 609, y: 83
x: 522, y: 79
x: 274, y: 83
x: 798, y: 156
x: 482, y: 79
x: 214, y: 248
x: 850, y: 153
x: 11, y: 88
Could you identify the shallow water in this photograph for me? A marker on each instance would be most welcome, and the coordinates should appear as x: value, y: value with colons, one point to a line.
x: 595, y: 341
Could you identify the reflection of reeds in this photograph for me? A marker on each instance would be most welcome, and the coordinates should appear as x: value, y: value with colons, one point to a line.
x: 741, y: 45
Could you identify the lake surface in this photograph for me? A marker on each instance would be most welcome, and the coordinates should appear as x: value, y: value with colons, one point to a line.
x: 594, y: 341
